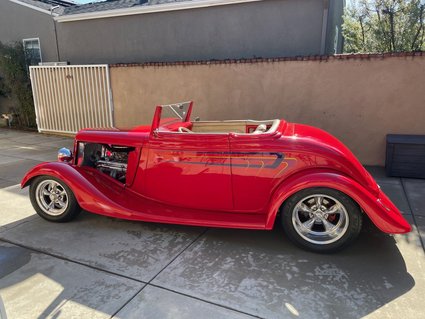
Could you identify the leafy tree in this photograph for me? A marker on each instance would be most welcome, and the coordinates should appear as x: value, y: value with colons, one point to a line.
x: 15, y: 81
x: 384, y: 26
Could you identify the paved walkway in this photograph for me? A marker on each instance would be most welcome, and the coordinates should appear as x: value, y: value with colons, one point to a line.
x: 98, y: 267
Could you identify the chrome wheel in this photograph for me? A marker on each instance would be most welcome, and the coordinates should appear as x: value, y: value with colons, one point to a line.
x: 51, y: 197
x: 320, y: 219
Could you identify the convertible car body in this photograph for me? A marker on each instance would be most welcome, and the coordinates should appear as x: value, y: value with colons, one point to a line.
x: 236, y: 174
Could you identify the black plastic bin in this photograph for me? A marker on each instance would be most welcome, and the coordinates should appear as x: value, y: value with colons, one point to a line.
x: 405, y: 156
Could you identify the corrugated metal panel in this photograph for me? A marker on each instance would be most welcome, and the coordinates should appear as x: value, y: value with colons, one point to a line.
x: 70, y: 98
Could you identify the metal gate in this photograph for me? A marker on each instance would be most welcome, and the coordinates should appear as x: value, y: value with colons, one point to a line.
x: 69, y: 98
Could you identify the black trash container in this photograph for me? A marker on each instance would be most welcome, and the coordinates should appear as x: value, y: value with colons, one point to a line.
x: 405, y: 156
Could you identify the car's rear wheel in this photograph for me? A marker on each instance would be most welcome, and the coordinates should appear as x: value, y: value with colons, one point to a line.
x: 53, y: 200
x: 321, y: 219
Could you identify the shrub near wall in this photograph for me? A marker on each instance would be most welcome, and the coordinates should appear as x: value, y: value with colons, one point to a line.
x: 16, y: 85
x: 358, y: 98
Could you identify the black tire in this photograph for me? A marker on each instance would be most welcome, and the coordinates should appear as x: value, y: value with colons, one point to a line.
x: 294, y: 217
x: 63, y: 213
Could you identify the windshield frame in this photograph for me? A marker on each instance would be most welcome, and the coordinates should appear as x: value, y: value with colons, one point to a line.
x: 160, y: 121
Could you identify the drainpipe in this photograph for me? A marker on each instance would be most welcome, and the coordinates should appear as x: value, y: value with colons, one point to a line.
x: 324, y: 26
x: 56, y: 33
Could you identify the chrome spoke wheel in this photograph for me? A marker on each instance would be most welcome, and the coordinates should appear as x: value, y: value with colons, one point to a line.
x: 320, y: 219
x: 51, y: 197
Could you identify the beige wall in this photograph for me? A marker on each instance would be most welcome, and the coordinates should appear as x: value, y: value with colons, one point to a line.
x: 358, y: 100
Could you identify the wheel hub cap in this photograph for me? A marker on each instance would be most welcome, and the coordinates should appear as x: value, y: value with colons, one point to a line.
x: 320, y: 219
x: 51, y: 197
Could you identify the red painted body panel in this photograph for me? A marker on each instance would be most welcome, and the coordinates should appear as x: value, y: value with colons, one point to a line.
x: 383, y: 213
x: 220, y: 180
x: 185, y: 168
x: 100, y: 194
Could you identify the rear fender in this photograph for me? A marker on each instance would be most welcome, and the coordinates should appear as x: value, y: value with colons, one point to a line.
x: 379, y: 208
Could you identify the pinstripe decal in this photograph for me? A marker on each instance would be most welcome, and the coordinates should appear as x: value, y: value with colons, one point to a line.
x: 273, y: 159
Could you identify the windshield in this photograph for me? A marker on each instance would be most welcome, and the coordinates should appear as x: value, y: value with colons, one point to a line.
x: 173, y: 113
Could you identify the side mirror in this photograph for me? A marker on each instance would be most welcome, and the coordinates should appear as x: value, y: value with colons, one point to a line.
x: 64, y: 155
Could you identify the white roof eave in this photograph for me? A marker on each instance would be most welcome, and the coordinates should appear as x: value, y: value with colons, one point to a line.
x: 147, y: 9
x: 35, y: 8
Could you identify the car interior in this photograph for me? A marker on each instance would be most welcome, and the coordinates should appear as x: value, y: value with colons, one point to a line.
x: 175, y: 118
x: 237, y: 126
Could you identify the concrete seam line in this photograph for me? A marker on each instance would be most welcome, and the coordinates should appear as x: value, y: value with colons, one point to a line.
x: 21, y: 223
x: 178, y: 255
x: 204, y: 300
x: 81, y: 264
x: 411, y: 210
x: 127, y: 302
x: 184, y: 294
x: 123, y: 276
x: 2, y: 239
x: 181, y: 252
x: 40, y: 251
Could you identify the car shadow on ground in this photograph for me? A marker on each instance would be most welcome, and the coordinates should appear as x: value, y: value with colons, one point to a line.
x: 263, y: 274
x: 257, y: 272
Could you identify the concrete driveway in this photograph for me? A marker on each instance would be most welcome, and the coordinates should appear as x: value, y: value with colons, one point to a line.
x: 98, y: 267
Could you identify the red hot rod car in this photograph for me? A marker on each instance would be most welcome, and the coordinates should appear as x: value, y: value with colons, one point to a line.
x: 235, y: 174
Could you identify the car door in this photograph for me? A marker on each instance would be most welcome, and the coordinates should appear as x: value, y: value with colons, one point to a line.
x: 189, y: 170
x: 255, y: 166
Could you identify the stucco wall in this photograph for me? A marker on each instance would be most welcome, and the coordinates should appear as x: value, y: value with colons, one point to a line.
x: 18, y: 22
x: 266, y: 28
x: 357, y: 100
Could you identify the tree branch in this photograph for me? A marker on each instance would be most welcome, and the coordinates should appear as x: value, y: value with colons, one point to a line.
x: 420, y: 30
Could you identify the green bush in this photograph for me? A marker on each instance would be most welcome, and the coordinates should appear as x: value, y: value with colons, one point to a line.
x: 15, y: 82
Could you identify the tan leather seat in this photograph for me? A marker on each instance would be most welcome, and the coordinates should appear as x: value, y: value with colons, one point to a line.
x: 262, y: 128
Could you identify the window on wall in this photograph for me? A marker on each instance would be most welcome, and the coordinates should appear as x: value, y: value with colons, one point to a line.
x: 32, y: 51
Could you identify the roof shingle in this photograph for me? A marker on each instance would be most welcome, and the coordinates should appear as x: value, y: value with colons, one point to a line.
x: 68, y: 7
x: 113, y: 5
x: 102, y: 6
x: 49, y: 4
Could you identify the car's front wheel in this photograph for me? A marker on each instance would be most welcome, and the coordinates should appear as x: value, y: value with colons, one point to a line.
x: 53, y: 200
x: 321, y: 219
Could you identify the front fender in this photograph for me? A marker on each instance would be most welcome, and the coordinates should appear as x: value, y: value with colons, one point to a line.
x: 91, y: 195
x: 381, y: 211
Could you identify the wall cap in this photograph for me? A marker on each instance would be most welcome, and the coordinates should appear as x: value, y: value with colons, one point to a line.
x: 319, y: 58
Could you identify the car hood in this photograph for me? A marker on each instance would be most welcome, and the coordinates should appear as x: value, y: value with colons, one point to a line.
x: 113, y: 136
x: 330, y: 152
